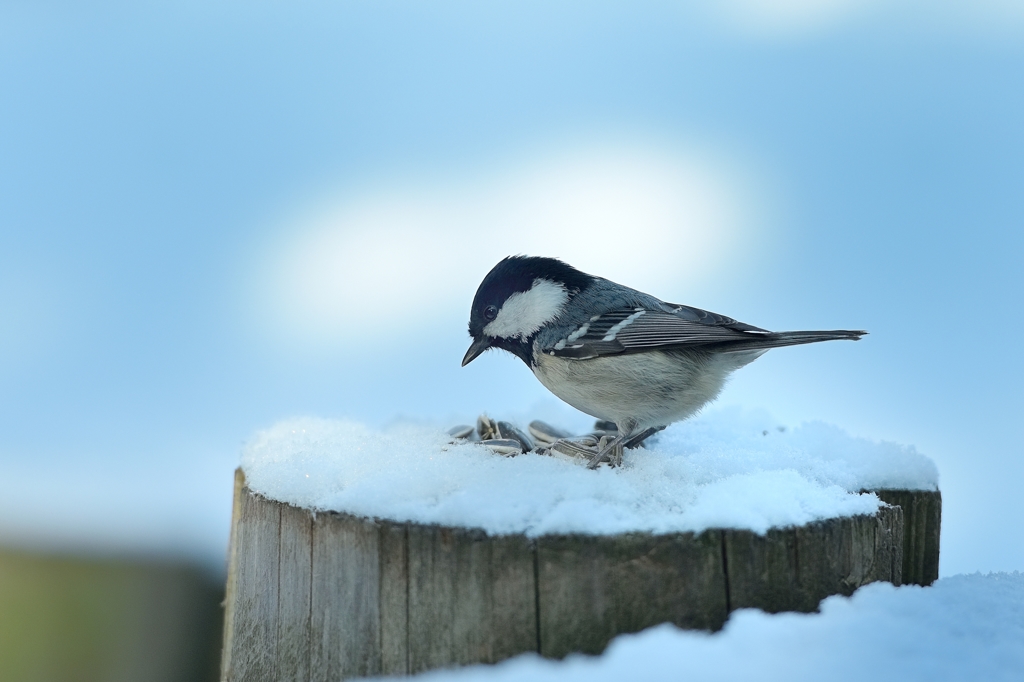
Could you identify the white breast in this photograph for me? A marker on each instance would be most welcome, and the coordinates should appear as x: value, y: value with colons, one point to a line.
x: 639, y: 390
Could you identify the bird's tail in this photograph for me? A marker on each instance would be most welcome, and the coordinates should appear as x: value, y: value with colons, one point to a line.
x: 780, y: 339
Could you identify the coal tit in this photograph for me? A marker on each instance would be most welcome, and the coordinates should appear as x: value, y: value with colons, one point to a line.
x: 613, y: 352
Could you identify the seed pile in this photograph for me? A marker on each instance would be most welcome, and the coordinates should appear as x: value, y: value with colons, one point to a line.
x: 505, y: 439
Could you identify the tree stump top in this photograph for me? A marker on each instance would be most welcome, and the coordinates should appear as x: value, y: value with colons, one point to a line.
x: 722, y: 472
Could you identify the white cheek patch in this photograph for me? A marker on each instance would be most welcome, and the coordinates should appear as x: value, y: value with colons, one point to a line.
x: 527, y: 311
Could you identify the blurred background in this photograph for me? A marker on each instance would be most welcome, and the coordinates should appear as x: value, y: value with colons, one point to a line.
x: 214, y: 215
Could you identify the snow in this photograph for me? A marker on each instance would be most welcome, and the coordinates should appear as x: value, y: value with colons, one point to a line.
x: 724, y: 468
x: 966, y: 627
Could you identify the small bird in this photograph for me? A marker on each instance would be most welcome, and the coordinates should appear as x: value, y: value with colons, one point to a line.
x: 613, y: 352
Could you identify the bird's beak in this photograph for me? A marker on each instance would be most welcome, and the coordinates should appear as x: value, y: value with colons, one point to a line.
x: 478, y: 347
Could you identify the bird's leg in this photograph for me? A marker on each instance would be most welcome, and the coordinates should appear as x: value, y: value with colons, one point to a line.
x: 612, y: 448
x: 638, y: 438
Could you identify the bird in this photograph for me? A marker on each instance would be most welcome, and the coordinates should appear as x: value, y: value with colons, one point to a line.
x: 613, y: 352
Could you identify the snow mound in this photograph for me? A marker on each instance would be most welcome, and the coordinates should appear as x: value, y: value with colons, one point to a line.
x: 724, y: 469
x: 966, y: 627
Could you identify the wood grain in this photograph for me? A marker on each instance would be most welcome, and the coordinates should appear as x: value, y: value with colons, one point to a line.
x: 592, y: 588
x: 253, y: 622
x: 793, y: 569
x: 922, y: 523
x: 471, y: 597
x: 394, y: 599
x: 294, y: 594
x: 345, y: 614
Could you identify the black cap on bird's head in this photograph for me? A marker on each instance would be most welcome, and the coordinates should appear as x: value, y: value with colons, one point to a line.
x: 517, y: 297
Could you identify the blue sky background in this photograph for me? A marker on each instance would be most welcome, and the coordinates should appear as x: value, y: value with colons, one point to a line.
x: 177, y: 179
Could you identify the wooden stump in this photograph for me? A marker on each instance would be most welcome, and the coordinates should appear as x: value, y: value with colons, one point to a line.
x: 332, y: 596
x: 922, y: 520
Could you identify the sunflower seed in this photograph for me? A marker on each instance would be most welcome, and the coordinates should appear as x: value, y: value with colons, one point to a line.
x: 503, y: 446
x: 461, y: 431
x: 605, y: 425
x: 486, y: 427
x: 546, y: 433
x: 572, y: 448
x: 509, y: 431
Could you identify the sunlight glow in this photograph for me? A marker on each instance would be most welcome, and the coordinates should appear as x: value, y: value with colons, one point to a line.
x: 397, y: 257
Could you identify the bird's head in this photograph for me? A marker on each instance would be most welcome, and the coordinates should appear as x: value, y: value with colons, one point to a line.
x: 518, y: 297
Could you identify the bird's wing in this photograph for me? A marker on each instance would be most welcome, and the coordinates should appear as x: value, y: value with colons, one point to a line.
x: 707, y: 317
x: 637, y: 329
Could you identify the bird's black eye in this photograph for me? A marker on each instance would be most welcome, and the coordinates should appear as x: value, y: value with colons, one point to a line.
x: 490, y: 312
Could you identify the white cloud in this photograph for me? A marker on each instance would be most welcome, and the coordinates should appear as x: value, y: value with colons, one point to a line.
x: 400, y: 256
x: 787, y: 20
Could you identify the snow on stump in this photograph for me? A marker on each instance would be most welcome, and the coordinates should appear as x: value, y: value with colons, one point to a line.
x: 447, y: 555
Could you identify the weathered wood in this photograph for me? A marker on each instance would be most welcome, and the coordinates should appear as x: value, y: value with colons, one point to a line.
x: 432, y: 566
x: 332, y: 596
x: 762, y: 569
x: 793, y: 569
x: 840, y: 555
x: 394, y: 599
x: 922, y: 522
x: 345, y: 599
x: 231, y: 588
x: 513, y: 616
x: 294, y: 594
x: 251, y: 623
x: 592, y: 588
x: 471, y: 597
